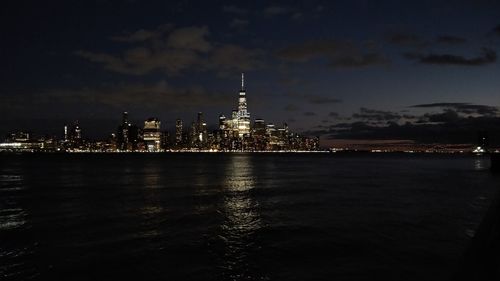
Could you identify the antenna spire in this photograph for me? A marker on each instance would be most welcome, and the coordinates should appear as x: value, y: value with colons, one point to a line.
x: 242, y: 81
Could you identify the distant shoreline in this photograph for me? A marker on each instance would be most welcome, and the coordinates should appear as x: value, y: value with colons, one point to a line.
x: 256, y: 152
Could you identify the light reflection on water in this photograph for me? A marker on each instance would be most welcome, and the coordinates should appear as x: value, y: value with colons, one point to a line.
x: 152, y: 174
x: 481, y: 163
x: 238, y: 216
x: 242, y: 219
x: 152, y: 209
x: 13, y: 218
x: 12, y: 215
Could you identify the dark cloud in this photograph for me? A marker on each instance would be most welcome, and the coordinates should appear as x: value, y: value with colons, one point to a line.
x: 487, y: 56
x: 405, y: 39
x: 340, y: 54
x: 333, y: 114
x: 176, y: 51
x: 314, y: 49
x: 309, y: 113
x: 342, y: 125
x: 181, y: 49
x: 451, y: 130
x: 360, y: 60
x: 137, y: 36
x: 190, y: 38
x: 464, y: 108
x: 314, y: 99
x: 440, y: 104
x: 229, y: 58
x: 453, y: 124
x: 143, y: 34
x: 323, y: 100
x: 152, y: 95
x: 452, y: 40
x: 376, y: 115
x: 448, y: 116
x: 291, y: 107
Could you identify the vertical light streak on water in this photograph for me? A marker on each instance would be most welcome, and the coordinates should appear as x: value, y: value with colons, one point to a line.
x: 242, y: 219
x: 13, y: 219
x: 481, y: 163
x: 152, y: 210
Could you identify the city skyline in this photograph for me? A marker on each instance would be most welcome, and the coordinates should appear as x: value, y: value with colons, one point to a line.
x: 349, y: 72
x: 237, y: 133
x: 250, y: 140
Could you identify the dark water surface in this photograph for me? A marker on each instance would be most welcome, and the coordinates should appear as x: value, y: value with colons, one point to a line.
x: 239, y: 216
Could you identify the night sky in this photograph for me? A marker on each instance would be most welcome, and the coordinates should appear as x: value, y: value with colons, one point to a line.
x: 424, y: 71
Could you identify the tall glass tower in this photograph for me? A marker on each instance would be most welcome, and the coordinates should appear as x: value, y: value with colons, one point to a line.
x: 243, y: 116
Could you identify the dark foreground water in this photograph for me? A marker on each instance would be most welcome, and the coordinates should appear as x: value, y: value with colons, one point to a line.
x: 239, y: 216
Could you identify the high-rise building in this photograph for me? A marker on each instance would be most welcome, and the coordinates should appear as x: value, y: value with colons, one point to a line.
x: 66, y: 133
x: 201, y: 130
x: 77, y: 132
x: 74, y: 135
x: 199, y: 124
x: 239, y: 124
x: 259, y: 127
x: 127, y: 136
x: 19, y: 137
x: 165, y: 140
x: 243, y: 116
x: 125, y: 117
x: 125, y: 127
x: 193, y: 135
x: 259, y: 135
x: 152, y: 134
x: 178, y: 132
x: 222, y: 122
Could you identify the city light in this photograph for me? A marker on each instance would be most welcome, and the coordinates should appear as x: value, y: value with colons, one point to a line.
x: 232, y: 135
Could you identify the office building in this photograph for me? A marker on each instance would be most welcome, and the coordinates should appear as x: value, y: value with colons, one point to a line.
x: 178, y: 132
x: 152, y: 135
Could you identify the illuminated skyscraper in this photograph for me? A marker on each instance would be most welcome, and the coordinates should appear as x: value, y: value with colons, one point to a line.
x: 222, y: 122
x: 77, y: 133
x: 125, y: 127
x: 239, y: 124
x: 199, y: 123
x: 259, y: 127
x: 193, y: 135
x: 243, y: 116
x: 127, y: 135
x: 152, y: 135
x: 65, y: 133
x: 73, y: 135
x: 178, y: 132
x: 201, y: 130
x: 125, y: 117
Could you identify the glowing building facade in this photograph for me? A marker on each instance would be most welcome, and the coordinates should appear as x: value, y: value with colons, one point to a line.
x: 239, y: 125
x: 152, y: 134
